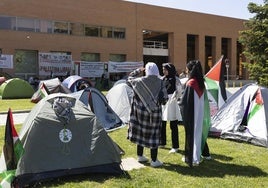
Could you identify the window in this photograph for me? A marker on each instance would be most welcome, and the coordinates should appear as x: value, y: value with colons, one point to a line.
x: 24, y: 24
x: 7, y: 22
x: 60, y: 27
x: 191, y: 45
x: 107, y: 32
x: 92, y: 31
x: 117, y: 57
x: 26, y: 63
x: 119, y: 33
x: 91, y: 57
x: 44, y: 26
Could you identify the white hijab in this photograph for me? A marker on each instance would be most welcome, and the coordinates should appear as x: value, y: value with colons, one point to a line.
x: 151, y: 69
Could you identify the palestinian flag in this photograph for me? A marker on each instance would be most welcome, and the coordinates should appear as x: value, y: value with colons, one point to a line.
x: 12, y: 151
x: 254, y: 115
x: 43, y: 91
x: 258, y: 104
x: 215, y: 84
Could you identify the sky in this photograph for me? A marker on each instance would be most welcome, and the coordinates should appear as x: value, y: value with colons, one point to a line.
x: 228, y: 8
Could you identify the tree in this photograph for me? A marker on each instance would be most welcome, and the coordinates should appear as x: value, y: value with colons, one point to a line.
x: 255, y: 42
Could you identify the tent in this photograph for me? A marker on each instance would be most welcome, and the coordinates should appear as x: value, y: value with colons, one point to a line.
x: 76, y: 83
x: 120, y: 81
x: 62, y: 137
x: 98, y: 104
x: 16, y: 88
x: 119, y: 98
x: 244, y: 116
x: 53, y: 85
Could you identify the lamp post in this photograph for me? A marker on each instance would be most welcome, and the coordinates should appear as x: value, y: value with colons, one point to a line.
x: 227, y: 70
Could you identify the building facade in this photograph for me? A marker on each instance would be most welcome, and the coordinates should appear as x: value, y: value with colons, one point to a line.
x: 115, y: 30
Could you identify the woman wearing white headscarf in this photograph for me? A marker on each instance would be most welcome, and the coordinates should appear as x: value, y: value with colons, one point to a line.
x: 146, y: 114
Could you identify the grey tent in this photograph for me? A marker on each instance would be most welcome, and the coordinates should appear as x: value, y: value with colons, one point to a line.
x: 98, y: 104
x: 244, y: 116
x: 53, y: 85
x: 62, y: 137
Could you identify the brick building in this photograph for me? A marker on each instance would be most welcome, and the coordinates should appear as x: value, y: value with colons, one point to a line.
x: 115, y: 30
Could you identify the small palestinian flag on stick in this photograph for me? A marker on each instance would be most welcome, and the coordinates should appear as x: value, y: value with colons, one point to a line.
x: 12, y: 152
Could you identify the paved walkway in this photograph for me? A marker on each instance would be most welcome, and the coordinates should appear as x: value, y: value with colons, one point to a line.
x: 17, y: 117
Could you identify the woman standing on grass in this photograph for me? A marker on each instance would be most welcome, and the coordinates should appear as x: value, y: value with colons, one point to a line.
x: 146, y: 114
x: 170, y: 111
x: 196, y: 114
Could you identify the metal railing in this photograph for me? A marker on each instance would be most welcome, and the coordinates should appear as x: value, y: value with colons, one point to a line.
x: 154, y: 44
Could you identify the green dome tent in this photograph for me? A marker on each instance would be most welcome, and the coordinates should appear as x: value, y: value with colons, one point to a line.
x: 16, y: 88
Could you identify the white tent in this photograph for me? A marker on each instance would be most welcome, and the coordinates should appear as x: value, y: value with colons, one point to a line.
x: 244, y: 116
x: 119, y: 98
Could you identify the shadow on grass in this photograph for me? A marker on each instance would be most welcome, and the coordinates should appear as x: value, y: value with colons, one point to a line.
x: 99, y: 178
x: 214, y: 168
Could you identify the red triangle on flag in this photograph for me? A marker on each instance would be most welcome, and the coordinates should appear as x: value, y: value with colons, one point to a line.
x: 215, y: 72
x: 259, y: 99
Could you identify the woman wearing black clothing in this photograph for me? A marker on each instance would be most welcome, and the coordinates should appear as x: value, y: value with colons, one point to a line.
x: 170, y: 111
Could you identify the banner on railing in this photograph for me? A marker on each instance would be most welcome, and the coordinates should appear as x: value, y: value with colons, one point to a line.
x: 57, y: 64
x: 116, y: 67
x: 91, y: 69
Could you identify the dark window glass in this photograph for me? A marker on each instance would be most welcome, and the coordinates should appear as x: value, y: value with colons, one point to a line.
x: 7, y: 22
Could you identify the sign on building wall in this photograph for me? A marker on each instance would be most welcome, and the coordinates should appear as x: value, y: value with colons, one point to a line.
x: 54, y: 63
x: 6, y: 61
x: 116, y: 67
x: 91, y: 69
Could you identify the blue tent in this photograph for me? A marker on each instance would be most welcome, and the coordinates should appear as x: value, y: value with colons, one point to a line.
x: 76, y: 83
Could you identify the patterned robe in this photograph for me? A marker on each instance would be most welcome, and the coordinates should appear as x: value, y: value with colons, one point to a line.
x: 146, y: 114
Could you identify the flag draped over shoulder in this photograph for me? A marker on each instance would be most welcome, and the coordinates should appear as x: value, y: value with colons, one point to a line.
x: 12, y: 151
x: 215, y: 84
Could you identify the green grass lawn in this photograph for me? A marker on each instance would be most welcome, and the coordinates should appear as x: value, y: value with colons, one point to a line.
x: 15, y: 104
x: 234, y: 164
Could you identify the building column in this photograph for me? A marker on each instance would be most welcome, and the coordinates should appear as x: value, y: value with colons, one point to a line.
x: 200, y: 49
x: 179, y: 56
